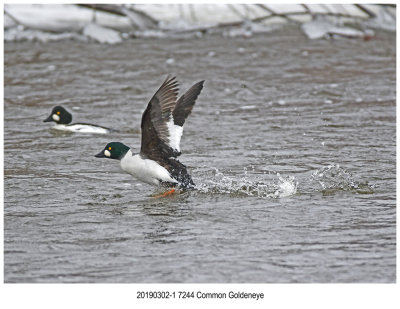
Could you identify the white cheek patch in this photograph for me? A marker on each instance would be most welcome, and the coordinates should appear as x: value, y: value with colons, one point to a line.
x: 55, y: 117
x: 107, y: 153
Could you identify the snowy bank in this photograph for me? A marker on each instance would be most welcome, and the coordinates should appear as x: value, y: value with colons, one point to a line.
x: 112, y: 24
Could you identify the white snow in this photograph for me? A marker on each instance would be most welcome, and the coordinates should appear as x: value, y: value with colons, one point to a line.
x: 46, y: 22
x: 318, y: 29
x: 101, y: 34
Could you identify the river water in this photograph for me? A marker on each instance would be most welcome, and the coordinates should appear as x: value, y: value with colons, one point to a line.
x: 291, y: 144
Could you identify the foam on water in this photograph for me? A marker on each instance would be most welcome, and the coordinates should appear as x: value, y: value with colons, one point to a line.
x: 217, y: 182
x: 330, y: 179
x: 333, y: 178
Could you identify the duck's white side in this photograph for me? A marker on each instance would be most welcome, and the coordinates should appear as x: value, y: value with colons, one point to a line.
x: 145, y: 170
x: 80, y: 128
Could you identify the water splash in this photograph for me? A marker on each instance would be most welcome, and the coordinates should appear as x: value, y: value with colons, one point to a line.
x: 286, y: 186
x: 334, y: 178
x: 219, y: 183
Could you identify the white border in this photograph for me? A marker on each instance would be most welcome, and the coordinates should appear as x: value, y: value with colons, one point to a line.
x: 124, y: 295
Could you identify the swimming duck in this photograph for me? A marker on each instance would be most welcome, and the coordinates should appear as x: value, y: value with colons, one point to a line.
x: 63, y: 118
x: 162, y: 127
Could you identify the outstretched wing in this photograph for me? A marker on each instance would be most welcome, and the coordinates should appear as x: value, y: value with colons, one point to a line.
x: 155, y: 132
x: 185, y: 104
x: 163, y: 119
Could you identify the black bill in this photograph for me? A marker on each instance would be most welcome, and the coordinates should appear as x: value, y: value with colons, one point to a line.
x: 100, y: 154
x: 48, y: 119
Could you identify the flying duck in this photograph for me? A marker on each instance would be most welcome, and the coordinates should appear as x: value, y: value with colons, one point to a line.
x: 162, y: 127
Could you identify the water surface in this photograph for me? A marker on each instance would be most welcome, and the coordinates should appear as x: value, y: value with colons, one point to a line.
x: 277, y: 111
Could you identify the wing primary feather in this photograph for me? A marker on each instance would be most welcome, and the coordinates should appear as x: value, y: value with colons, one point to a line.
x: 167, y: 95
x: 185, y: 103
x: 155, y: 134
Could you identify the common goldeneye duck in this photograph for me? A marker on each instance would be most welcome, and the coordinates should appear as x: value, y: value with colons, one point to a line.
x: 162, y: 127
x: 63, y: 118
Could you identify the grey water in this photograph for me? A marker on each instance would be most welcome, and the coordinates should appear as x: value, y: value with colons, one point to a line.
x: 292, y: 146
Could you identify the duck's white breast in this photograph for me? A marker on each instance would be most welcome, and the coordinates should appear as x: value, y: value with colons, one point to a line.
x: 145, y: 170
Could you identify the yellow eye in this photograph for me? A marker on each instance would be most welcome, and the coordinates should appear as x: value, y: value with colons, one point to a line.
x: 109, y: 148
x: 58, y: 113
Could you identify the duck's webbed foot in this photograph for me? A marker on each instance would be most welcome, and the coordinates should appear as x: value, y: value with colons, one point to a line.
x: 170, y: 192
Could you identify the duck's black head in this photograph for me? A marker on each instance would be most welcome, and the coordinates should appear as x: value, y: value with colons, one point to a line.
x: 113, y: 150
x: 59, y: 115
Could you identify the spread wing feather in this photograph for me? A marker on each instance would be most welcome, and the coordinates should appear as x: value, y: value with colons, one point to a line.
x: 185, y: 103
x: 163, y: 119
x: 155, y: 134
